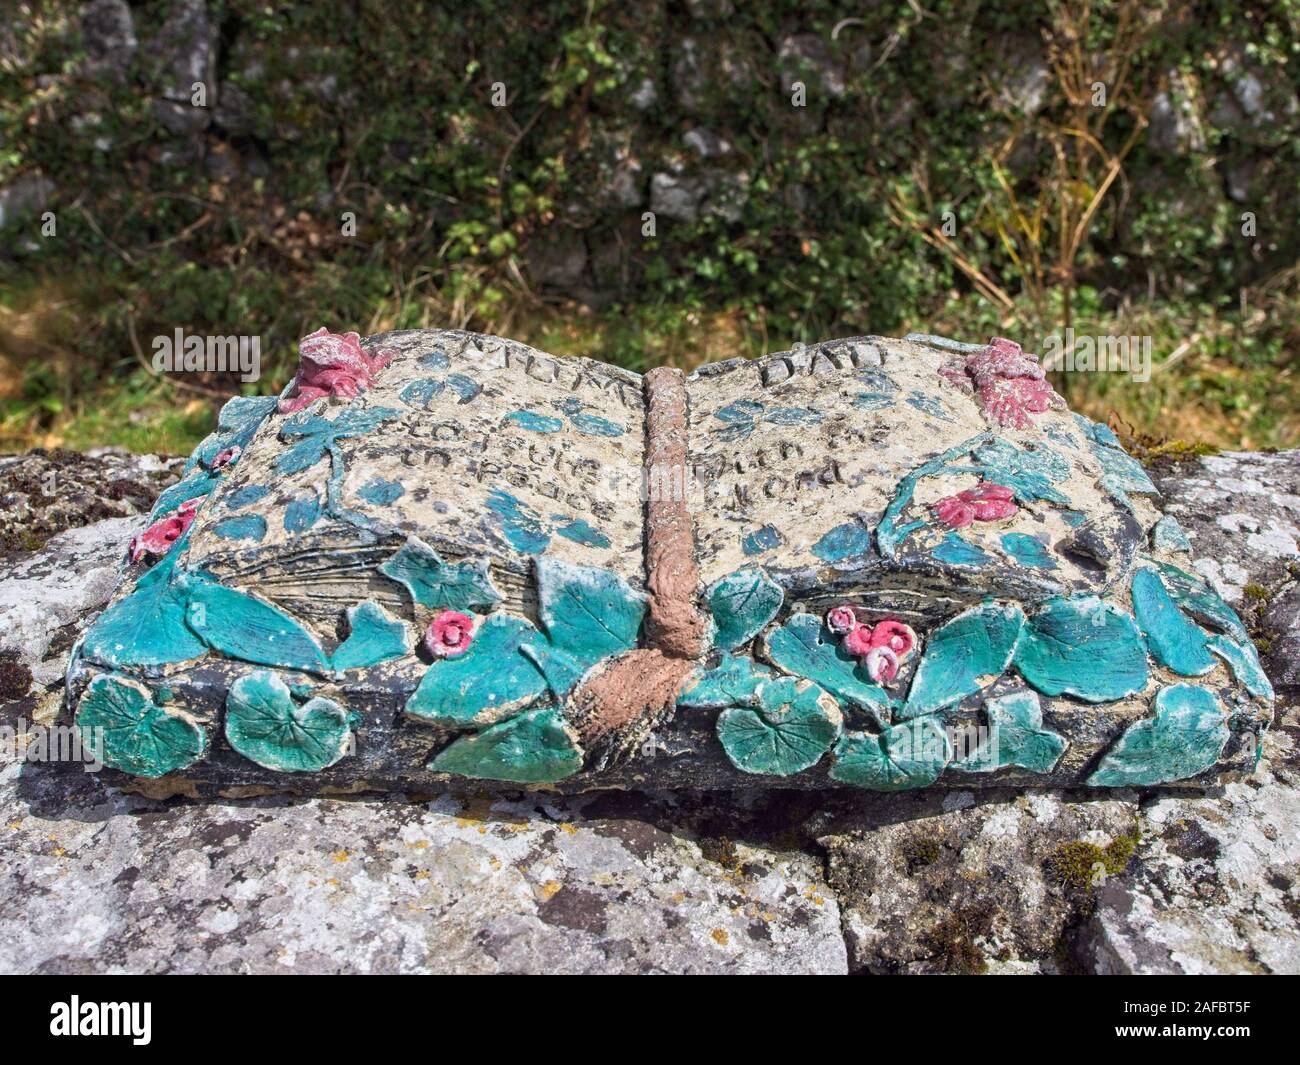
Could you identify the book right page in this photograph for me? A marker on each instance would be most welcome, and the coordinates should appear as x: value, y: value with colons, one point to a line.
x: 869, y: 466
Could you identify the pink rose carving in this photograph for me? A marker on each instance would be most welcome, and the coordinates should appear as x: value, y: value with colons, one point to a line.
x: 841, y: 619
x: 449, y: 634
x: 224, y: 458
x: 1010, y: 383
x: 986, y: 502
x: 332, y: 364
x: 897, y: 637
x: 857, y: 641
x: 882, y: 665
x: 159, y: 537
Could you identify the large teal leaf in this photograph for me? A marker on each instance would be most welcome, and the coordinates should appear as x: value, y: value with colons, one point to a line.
x: 244, y: 627
x: 1084, y: 647
x: 490, y: 681
x: 906, y: 756
x: 1185, y: 737
x: 963, y: 656
x: 438, y: 584
x: 742, y: 603
x: 1175, y: 641
x: 121, y: 724
x: 792, y: 726
x: 734, y: 681
x: 1243, y: 660
x: 805, y: 647
x: 266, y: 725
x: 374, y: 636
x: 147, y: 628
x: 588, y: 613
x: 534, y: 748
x: 1016, y: 737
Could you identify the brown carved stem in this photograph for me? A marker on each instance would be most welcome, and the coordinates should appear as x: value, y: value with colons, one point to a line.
x: 619, y: 705
x: 675, y: 625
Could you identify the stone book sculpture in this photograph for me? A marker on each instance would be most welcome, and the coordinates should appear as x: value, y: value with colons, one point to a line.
x: 445, y: 559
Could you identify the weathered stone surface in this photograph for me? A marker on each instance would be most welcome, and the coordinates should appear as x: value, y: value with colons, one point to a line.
x: 1241, y: 512
x: 96, y: 882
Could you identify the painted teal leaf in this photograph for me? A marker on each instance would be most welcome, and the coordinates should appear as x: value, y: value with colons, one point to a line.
x: 579, y: 530
x: 490, y: 681
x: 590, y: 424
x: 316, y: 434
x: 381, y: 492
x: 906, y: 756
x: 421, y: 392
x: 245, y: 496
x: 560, y: 669
x: 1185, y: 737
x: 889, y: 533
x: 1243, y: 660
x: 742, y: 603
x: 843, y: 541
x: 122, y: 725
x: 1030, y: 472
x: 952, y: 550
x: 466, y: 388
x: 1168, y: 535
x: 1016, y: 737
x: 1083, y: 647
x: 1027, y: 550
x: 764, y: 538
x: 534, y: 748
x: 806, y: 648
x: 147, y: 628
x: 589, y: 613
x: 198, y: 484
x: 240, y: 527
x: 1174, y: 641
x: 301, y: 514
x: 237, y: 422
x: 733, y: 682
x: 441, y: 585
x: 1200, y: 600
x: 266, y: 725
x: 534, y: 422
x: 792, y: 726
x: 244, y: 627
x: 374, y: 636
x: 963, y: 656
x: 521, y: 526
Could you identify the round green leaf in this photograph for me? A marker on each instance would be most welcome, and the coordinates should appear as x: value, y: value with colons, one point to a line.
x: 267, y: 726
x: 121, y: 723
x: 794, y: 724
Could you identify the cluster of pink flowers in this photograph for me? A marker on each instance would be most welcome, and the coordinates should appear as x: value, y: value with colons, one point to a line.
x: 987, y: 502
x: 159, y: 537
x: 332, y: 364
x: 882, y: 647
x: 1010, y: 383
x: 449, y: 634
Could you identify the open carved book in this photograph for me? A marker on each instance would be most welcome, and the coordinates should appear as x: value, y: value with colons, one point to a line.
x: 441, y: 557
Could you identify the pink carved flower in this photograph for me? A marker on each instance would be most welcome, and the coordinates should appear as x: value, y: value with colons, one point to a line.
x: 986, y: 502
x: 894, y: 635
x: 882, y: 665
x: 159, y: 537
x: 1010, y: 383
x: 841, y: 619
x: 857, y: 641
x: 224, y: 458
x: 449, y: 634
x: 332, y: 364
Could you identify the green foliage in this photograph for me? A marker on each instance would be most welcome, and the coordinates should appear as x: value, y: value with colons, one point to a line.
x: 386, y: 110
